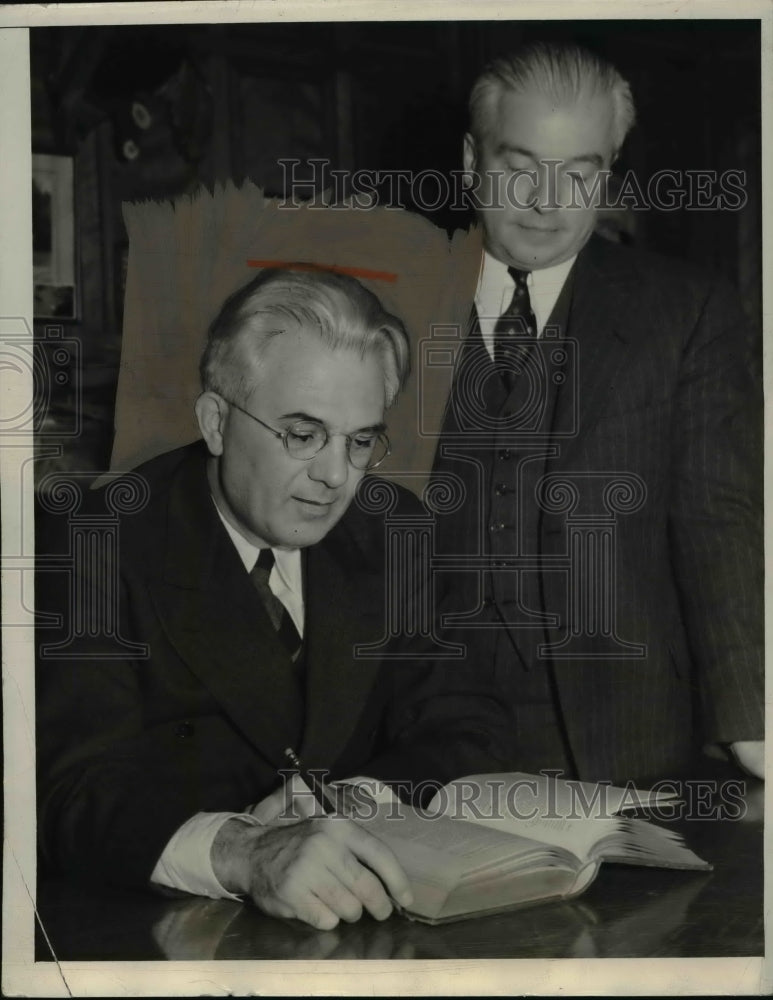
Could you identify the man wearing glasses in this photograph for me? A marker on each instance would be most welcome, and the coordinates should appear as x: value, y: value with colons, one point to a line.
x: 250, y: 576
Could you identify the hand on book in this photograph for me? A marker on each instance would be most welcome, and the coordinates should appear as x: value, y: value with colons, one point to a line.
x: 317, y: 870
x: 294, y: 801
x: 289, y: 803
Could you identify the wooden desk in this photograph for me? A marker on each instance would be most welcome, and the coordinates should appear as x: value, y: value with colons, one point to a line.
x: 627, y: 912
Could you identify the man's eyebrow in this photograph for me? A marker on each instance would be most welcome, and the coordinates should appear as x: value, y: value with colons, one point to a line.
x: 595, y: 158
x: 300, y: 416
x: 506, y: 147
x: 376, y: 428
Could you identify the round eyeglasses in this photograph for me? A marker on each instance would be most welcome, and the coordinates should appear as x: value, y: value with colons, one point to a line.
x: 304, y: 439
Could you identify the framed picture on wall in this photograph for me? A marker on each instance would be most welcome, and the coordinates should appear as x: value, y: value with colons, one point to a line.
x: 53, y: 237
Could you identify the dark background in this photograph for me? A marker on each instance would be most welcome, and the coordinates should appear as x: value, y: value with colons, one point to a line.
x: 155, y: 111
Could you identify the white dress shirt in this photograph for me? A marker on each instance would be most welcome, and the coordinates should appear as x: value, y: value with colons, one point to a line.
x: 496, y: 287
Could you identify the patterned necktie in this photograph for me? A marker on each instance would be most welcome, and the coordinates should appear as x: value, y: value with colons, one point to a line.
x: 514, y: 326
x: 277, y: 612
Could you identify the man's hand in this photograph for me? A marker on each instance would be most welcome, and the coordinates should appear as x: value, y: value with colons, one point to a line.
x: 750, y: 755
x: 316, y: 870
x: 294, y: 801
x: 291, y: 802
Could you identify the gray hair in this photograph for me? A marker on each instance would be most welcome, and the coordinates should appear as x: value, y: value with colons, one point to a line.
x: 561, y: 72
x: 335, y: 306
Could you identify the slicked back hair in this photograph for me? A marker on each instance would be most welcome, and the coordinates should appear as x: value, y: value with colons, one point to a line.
x: 336, y: 307
x: 564, y: 73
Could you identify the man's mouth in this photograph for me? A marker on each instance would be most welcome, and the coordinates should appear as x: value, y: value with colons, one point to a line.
x: 544, y: 230
x: 315, y: 503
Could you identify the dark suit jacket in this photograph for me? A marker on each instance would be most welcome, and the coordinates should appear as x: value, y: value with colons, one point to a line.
x: 131, y: 745
x: 667, y: 395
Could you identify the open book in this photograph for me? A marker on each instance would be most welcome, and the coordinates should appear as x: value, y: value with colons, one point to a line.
x: 498, y: 841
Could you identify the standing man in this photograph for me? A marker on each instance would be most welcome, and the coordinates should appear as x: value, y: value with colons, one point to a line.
x: 604, y: 423
x: 242, y: 588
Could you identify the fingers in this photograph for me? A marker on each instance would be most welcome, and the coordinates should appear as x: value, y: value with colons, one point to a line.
x: 267, y: 810
x: 331, y: 892
x: 306, y: 907
x: 365, y: 887
x: 323, y: 871
x: 290, y: 803
x: 354, y: 801
x: 315, y: 896
x: 329, y: 879
x: 375, y: 854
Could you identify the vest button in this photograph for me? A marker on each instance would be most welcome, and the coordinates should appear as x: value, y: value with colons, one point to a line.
x: 501, y: 489
x: 504, y: 454
x: 184, y: 731
x: 496, y: 526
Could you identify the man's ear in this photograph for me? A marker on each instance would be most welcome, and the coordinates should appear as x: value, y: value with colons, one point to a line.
x: 210, y: 412
x: 469, y: 157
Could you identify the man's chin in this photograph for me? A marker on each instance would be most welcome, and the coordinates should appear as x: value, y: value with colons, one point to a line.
x: 310, y: 528
x: 533, y: 249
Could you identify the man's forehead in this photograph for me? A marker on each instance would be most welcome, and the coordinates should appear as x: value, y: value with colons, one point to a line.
x: 297, y: 369
x: 275, y: 338
x: 574, y: 127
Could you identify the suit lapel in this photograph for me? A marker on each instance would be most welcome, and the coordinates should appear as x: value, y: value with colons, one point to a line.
x: 344, y: 607
x: 215, y: 620
x: 599, y: 327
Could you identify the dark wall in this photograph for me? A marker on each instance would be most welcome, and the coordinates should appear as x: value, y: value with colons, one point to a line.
x: 157, y: 111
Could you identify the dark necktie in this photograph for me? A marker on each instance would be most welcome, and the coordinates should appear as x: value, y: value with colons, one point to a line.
x: 277, y: 612
x: 516, y: 324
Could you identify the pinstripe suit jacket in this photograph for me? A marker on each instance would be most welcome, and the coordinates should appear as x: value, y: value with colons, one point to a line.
x: 647, y: 460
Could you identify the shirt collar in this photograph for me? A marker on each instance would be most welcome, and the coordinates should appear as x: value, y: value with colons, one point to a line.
x: 285, y: 560
x: 495, y: 291
x: 547, y: 280
x: 494, y: 275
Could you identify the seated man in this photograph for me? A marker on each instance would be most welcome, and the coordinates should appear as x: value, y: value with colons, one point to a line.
x: 243, y: 585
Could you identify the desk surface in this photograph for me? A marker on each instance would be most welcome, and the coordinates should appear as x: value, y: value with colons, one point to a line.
x: 627, y: 912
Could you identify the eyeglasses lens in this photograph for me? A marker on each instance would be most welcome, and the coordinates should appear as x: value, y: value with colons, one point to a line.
x: 304, y: 440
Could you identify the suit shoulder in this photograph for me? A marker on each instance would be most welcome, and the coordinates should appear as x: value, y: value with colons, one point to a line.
x: 160, y: 471
x: 139, y: 488
x: 649, y: 267
x: 681, y: 289
x: 140, y: 500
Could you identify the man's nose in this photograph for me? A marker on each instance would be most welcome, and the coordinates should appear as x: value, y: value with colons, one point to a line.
x: 548, y: 189
x: 331, y: 465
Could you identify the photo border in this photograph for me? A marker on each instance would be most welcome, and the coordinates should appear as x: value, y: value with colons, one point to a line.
x: 21, y: 975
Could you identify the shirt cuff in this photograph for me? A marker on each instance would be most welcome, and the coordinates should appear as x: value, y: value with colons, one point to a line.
x: 186, y: 862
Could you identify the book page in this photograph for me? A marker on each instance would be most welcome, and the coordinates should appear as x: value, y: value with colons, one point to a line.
x: 438, y: 853
x: 578, y: 817
x: 472, y: 846
x: 531, y: 806
x: 553, y: 796
x: 642, y: 843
